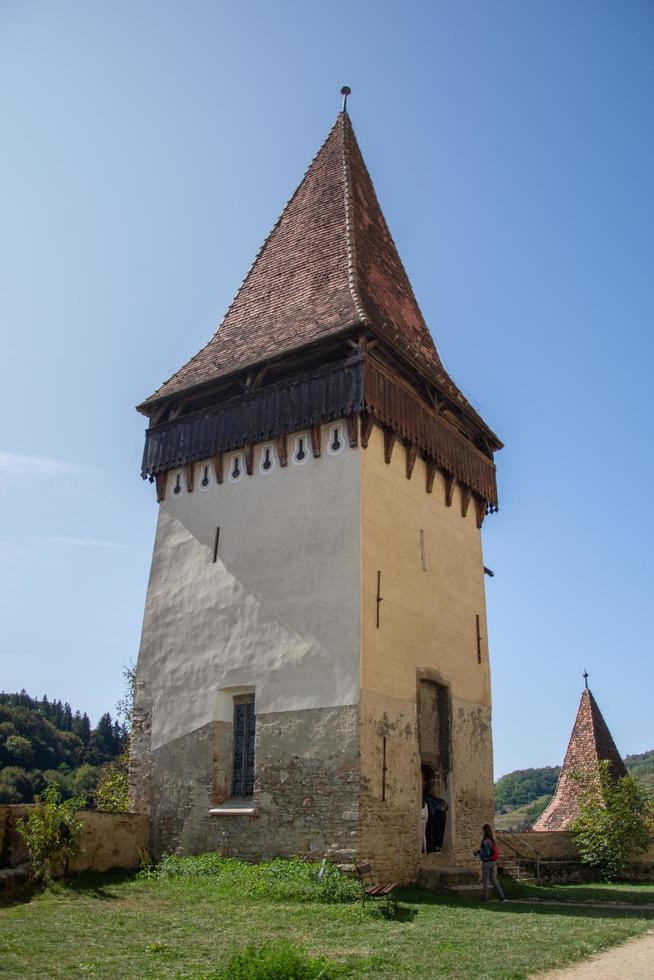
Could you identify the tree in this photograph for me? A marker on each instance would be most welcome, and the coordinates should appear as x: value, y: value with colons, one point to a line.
x: 125, y: 706
x: 19, y: 750
x: 52, y: 833
x: 111, y: 791
x: 615, y: 821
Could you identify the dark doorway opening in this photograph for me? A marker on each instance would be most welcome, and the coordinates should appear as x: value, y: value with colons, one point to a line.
x: 434, y: 732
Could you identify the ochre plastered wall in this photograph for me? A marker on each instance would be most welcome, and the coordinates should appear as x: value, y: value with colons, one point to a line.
x: 427, y: 628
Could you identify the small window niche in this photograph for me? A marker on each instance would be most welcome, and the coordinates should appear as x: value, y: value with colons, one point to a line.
x: 204, y: 476
x: 236, y: 467
x: 301, y: 449
x: 336, y: 440
x: 267, y: 459
x: 243, y: 747
x: 178, y: 485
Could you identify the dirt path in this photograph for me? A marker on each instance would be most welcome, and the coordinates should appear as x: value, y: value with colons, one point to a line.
x: 633, y: 960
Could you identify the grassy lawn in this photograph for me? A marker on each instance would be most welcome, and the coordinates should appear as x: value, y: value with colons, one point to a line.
x: 186, y: 927
x: 633, y: 894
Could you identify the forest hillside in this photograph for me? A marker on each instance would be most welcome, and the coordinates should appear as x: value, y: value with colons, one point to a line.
x: 44, y: 741
x: 522, y: 795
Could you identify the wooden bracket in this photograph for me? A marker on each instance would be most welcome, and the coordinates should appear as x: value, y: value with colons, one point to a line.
x: 367, y: 423
x: 315, y: 440
x: 158, y: 415
x: 480, y: 508
x: 389, y: 443
x: 449, y: 489
x: 466, y: 494
x: 190, y: 477
x: 261, y: 375
x: 249, y: 458
x: 160, y: 480
x: 178, y: 409
x: 282, y: 449
x: 218, y: 467
x: 411, y: 456
x: 431, y: 473
x: 353, y: 430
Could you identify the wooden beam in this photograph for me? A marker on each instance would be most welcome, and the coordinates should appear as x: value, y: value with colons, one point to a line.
x: 316, y: 435
x: 249, y: 458
x: 367, y: 423
x: 157, y: 415
x: 431, y: 468
x: 261, y: 375
x: 160, y: 480
x: 178, y: 409
x: 449, y: 489
x: 282, y: 449
x: 466, y: 494
x: 411, y: 456
x: 218, y: 467
x: 190, y: 477
x: 389, y: 443
x: 353, y: 430
x: 480, y: 509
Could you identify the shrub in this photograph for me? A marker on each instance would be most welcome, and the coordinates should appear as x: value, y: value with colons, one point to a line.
x: 279, y: 960
x: 615, y: 822
x: 293, y: 880
x: 111, y: 791
x: 52, y: 833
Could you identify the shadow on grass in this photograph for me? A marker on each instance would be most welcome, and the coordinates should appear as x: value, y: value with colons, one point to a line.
x: 592, y: 892
x: 390, y: 911
x: 96, y: 884
x: 418, y: 897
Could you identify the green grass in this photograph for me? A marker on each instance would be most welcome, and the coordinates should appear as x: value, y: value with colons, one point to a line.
x: 641, y: 893
x: 188, y: 926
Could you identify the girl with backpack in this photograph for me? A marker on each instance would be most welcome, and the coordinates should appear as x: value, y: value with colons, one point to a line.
x: 489, y: 854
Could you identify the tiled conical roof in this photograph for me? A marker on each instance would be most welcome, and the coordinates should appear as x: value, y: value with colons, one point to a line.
x: 328, y: 264
x: 590, y: 742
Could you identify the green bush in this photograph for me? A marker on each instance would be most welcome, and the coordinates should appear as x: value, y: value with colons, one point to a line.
x: 292, y: 880
x: 615, y: 821
x: 280, y: 960
x: 52, y: 833
x: 111, y: 791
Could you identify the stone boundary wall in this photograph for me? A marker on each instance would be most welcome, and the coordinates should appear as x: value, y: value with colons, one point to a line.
x: 111, y: 841
x: 559, y: 855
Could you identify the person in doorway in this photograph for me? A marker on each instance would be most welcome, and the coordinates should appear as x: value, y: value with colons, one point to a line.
x: 424, y: 817
x: 489, y: 854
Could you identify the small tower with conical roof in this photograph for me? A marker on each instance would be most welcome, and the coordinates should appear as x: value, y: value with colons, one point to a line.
x: 314, y: 651
x: 591, y: 742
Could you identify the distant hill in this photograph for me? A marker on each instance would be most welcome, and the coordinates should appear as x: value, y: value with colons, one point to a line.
x: 642, y: 766
x: 43, y: 741
x: 522, y: 795
x: 524, y: 786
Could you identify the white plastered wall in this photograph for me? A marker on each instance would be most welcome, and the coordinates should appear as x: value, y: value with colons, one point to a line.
x: 278, y: 612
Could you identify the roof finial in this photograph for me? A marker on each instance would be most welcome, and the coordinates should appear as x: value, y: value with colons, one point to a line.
x: 345, y: 91
x: 585, y: 677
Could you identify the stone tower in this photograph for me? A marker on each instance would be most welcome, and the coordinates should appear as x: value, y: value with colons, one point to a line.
x: 590, y: 742
x: 314, y: 644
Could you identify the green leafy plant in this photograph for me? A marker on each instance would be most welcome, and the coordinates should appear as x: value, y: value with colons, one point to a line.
x: 281, y: 878
x: 615, y: 821
x: 111, y: 790
x: 279, y: 960
x: 52, y: 833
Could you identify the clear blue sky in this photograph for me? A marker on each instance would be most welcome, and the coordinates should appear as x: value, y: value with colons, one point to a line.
x: 147, y: 149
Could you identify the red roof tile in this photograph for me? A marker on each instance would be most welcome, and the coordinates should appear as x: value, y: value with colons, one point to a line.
x: 328, y: 264
x: 589, y: 743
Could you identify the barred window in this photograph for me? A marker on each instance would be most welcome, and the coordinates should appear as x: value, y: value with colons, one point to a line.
x: 243, y: 761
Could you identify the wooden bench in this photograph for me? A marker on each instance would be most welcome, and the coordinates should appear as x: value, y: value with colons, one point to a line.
x: 370, y: 888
